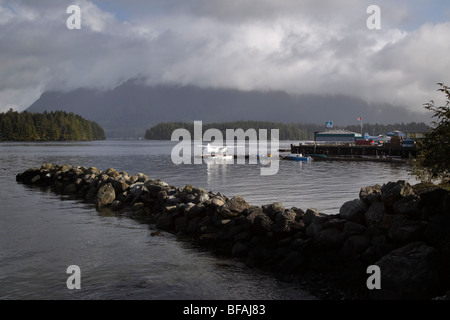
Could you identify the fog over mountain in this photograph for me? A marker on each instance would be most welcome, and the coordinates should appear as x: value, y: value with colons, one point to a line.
x: 130, y: 108
x: 304, y: 59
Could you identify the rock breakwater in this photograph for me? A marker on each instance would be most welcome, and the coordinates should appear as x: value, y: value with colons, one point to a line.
x: 403, y: 231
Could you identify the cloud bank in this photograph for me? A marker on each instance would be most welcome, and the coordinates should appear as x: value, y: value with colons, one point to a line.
x: 301, y: 47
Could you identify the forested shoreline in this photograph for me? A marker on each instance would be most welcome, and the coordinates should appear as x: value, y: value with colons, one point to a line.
x: 48, y: 126
x: 287, y: 131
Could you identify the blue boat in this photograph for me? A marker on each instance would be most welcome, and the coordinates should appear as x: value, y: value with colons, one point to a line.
x: 299, y: 157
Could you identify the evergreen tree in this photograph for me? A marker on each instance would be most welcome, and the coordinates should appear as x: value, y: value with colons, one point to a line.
x: 45, y: 126
x: 433, y: 161
x: 6, y: 129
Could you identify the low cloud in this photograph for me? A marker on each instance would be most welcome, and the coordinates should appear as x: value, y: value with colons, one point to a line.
x: 238, y: 44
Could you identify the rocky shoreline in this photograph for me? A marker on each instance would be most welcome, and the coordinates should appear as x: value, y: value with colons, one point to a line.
x: 403, y: 231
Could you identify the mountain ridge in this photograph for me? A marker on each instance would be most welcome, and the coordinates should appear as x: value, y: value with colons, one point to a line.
x: 132, y: 107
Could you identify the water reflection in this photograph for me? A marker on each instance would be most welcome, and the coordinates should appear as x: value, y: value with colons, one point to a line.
x: 216, y: 170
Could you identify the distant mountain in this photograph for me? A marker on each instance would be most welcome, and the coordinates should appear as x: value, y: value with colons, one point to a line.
x: 132, y: 107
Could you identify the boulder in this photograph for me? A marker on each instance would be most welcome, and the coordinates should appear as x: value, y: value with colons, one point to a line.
x: 173, y: 200
x: 324, y: 261
x: 239, y: 249
x: 111, y: 172
x: 47, y: 166
x: 137, y: 206
x: 313, y: 229
x: 202, y: 197
x: 172, y: 209
x: 233, y: 207
x: 79, y: 182
x: 180, y: 223
x: 91, y: 194
x: 260, y: 222
x: 354, y: 245
x: 375, y: 213
x: 321, y: 219
x: 391, y: 192
x: 105, y: 196
x: 309, y: 216
x: 65, y: 167
x: 253, y: 212
x: 92, y: 170
x: 408, y: 205
x: 370, y: 194
x: 199, y: 191
x: 166, y: 222
x: 260, y: 254
x: 70, y: 189
x: 404, y: 230
x: 293, y: 263
x: 136, y: 190
x: 352, y: 228
x: 243, y: 236
x: 272, y: 210
x: 409, y: 272
x: 379, y: 247
x: 116, y: 205
x: 329, y: 239
x: 197, y: 210
x: 335, y: 223
x: 386, y: 221
x: 104, y: 177
x: 285, y: 215
x: 193, y: 225
x: 162, y: 195
x: 282, y: 226
x: 153, y: 186
x: 353, y: 210
x: 299, y: 213
x: 217, y: 201
x: 189, y: 198
x: 120, y: 185
x: 88, y: 178
x: 285, y: 221
x: 221, y: 222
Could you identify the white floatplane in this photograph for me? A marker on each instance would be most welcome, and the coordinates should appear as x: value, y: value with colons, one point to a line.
x: 215, y: 152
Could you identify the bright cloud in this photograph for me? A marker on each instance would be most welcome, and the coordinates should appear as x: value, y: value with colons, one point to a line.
x: 299, y: 47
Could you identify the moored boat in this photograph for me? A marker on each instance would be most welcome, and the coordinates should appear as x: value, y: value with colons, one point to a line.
x: 299, y: 157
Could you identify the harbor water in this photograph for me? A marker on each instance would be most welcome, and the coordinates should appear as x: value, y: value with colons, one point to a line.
x: 42, y: 233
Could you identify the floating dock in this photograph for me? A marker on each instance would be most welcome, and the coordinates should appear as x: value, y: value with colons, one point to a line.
x: 351, y: 152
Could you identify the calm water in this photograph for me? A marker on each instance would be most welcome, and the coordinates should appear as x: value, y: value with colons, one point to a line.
x: 41, y: 235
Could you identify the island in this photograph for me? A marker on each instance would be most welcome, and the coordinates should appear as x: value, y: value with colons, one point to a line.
x: 48, y: 126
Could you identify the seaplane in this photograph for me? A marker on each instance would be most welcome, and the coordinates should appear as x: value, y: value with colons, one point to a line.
x: 215, y: 153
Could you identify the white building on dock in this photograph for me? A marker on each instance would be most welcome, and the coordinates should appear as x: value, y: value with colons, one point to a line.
x: 336, y: 136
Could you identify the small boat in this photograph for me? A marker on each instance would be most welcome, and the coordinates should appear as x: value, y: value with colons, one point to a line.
x: 317, y: 156
x: 215, y: 152
x: 299, y: 157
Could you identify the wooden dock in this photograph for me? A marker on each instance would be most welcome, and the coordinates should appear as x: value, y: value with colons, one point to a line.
x: 350, y: 152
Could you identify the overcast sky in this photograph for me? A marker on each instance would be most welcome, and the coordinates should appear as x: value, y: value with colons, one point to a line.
x: 321, y: 47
